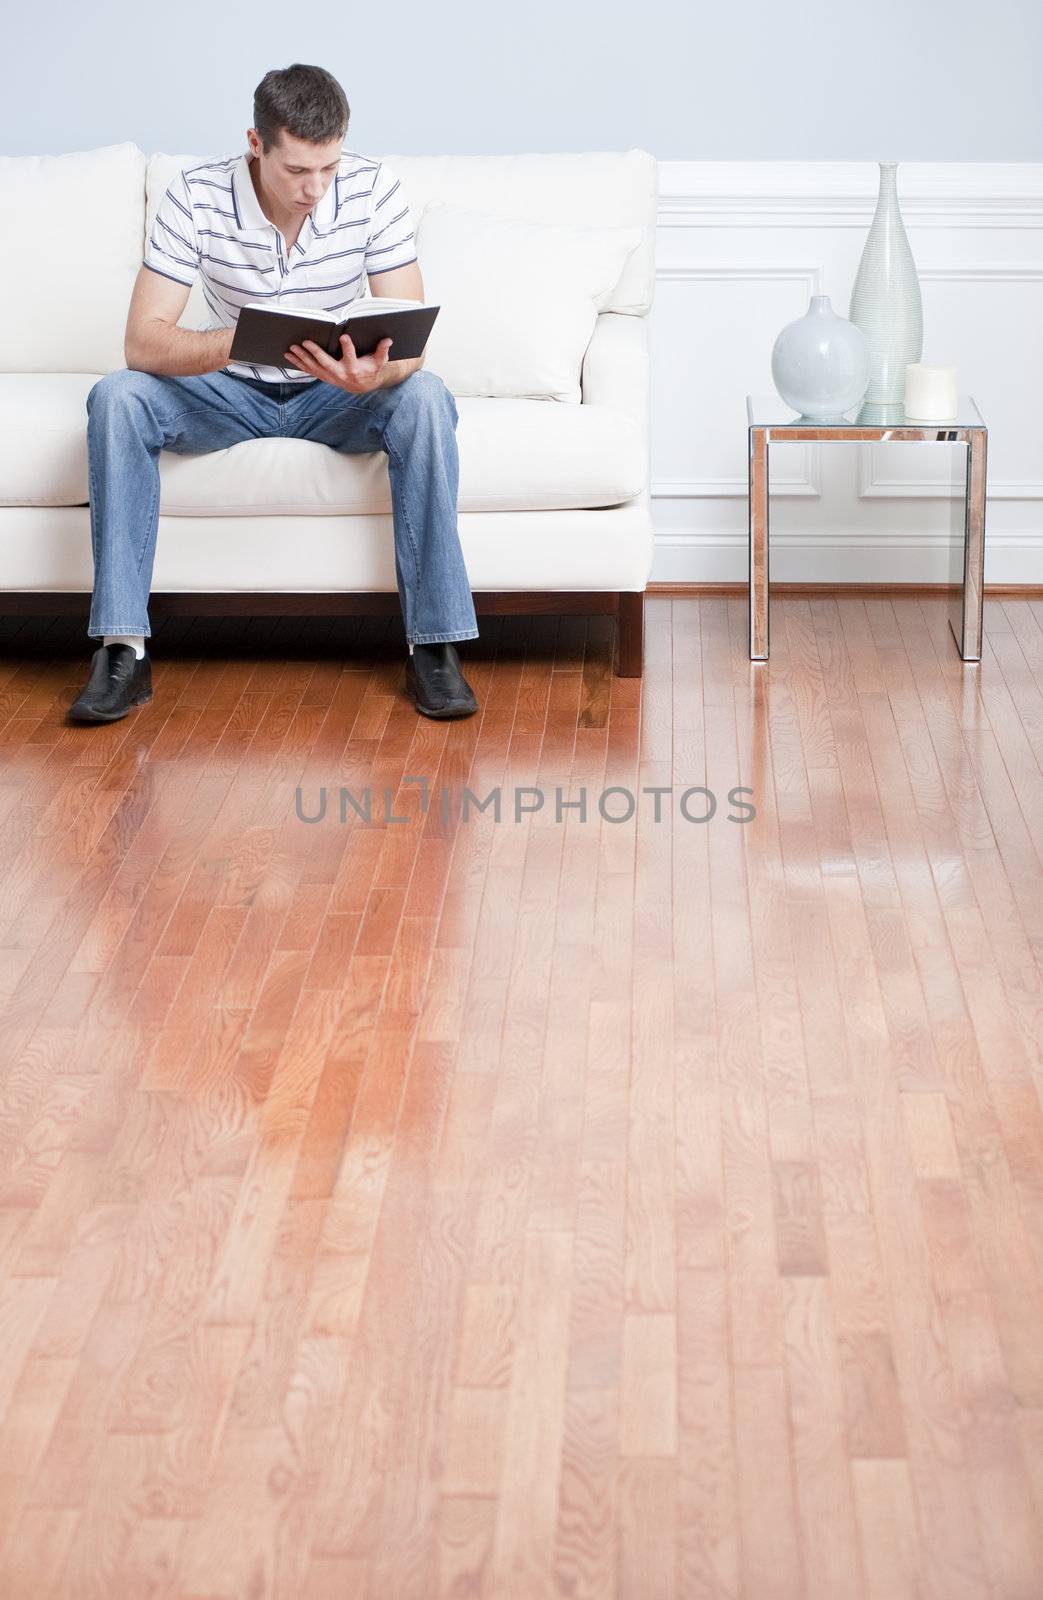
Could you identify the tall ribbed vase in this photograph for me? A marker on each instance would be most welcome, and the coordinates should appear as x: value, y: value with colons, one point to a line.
x: 885, y: 301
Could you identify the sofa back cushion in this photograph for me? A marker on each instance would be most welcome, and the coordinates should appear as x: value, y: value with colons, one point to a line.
x: 518, y: 300
x: 595, y: 189
x: 75, y: 224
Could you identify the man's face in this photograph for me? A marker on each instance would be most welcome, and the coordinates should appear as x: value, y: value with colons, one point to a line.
x: 295, y: 174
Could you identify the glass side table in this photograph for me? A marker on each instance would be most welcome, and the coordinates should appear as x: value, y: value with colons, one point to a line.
x: 770, y: 421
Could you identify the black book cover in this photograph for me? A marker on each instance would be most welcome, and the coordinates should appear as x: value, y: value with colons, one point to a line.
x: 264, y: 337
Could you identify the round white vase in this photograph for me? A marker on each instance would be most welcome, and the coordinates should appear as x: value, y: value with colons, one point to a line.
x: 820, y: 363
x: 886, y: 302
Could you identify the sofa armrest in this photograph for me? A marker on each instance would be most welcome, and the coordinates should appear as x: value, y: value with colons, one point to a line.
x: 616, y: 372
x: 616, y: 366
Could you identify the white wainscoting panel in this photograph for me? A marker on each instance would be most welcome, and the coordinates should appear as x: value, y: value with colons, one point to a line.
x: 741, y: 248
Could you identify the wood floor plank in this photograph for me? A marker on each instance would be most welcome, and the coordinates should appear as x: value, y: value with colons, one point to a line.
x: 950, y: 1550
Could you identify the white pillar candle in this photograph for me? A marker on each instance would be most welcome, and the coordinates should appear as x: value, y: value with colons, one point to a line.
x: 930, y: 392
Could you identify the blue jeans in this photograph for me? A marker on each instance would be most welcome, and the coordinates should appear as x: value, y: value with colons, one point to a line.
x: 132, y: 416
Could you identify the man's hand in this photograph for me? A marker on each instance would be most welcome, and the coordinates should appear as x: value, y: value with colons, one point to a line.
x: 356, y: 374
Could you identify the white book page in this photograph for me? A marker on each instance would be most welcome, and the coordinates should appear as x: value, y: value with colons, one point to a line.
x: 290, y: 311
x: 365, y: 306
x: 368, y: 305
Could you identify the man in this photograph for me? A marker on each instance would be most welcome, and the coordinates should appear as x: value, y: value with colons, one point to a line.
x: 300, y: 221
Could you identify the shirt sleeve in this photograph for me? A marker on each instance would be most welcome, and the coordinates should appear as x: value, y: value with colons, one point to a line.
x: 173, y: 246
x: 391, y: 241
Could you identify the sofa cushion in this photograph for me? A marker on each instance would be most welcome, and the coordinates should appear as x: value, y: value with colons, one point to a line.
x: 518, y: 299
x: 43, y: 438
x: 63, y: 303
x: 514, y: 455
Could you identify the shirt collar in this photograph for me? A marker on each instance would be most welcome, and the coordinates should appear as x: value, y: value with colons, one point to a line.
x: 248, y: 214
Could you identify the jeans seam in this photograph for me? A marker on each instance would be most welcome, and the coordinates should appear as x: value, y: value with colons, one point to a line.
x: 153, y: 509
x: 393, y: 454
x: 91, y: 497
x: 448, y: 638
x: 191, y: 411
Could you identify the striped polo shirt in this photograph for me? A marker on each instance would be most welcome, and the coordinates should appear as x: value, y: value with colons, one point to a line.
x: 210, y: 222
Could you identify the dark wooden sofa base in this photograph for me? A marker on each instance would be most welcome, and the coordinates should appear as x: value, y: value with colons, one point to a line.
x: 627, y: 606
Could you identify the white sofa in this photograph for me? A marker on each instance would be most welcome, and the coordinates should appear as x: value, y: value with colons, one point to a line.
x: 554, y: 507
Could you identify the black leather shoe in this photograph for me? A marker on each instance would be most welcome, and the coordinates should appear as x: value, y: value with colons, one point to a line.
x: 118, y: 681
x: 438, y: 687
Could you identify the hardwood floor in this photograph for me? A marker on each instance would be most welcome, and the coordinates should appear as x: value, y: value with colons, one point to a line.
x: 559, y: 1206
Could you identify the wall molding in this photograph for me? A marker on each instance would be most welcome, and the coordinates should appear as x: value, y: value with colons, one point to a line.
x: 843, y: 194
x: 843, y: 538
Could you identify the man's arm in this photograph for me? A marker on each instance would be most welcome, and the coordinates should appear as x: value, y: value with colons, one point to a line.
x: 154, y: 343
x: 400, y: 283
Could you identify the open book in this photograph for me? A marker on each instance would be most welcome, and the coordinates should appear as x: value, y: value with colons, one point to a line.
x: 264, y: 333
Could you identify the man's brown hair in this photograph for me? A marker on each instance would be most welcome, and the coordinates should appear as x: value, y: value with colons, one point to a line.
x: 307, y: 101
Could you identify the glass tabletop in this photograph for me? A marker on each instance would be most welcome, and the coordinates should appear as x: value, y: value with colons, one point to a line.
x: 771, y: 411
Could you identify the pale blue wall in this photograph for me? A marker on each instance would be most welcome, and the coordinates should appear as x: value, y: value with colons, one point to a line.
x: 905, y: 80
